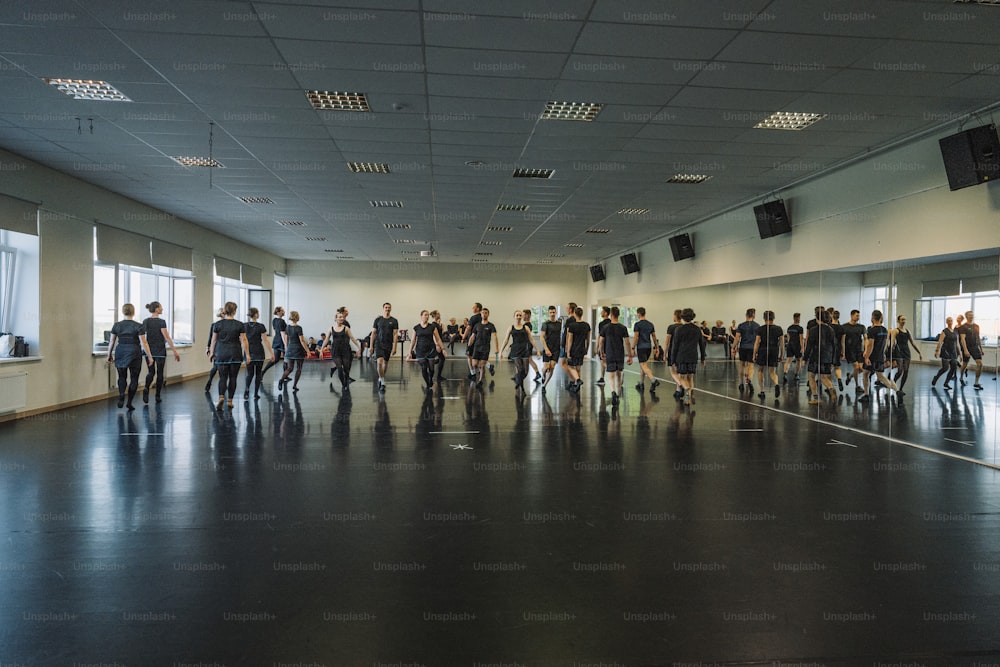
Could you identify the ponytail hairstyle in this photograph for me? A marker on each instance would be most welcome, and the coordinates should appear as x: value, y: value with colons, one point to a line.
x: 253, y: 312
x: 153, y: 306
x: 128, y: 310
x: 229, y: 309
x: 294, y: 316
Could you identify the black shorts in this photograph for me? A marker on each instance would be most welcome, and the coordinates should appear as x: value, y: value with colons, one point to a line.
x: 546, y: 358
x: 746, y: 354
x: 614, y: 366
x: 793, y: 353
x: 766, y: 360
x: 876, y: 366
x: 854, y: 356
x: 816, y: 367
x: 382, y: 351
x: 687, y: 368
x: 642, y: 354
x: 976, y: 353
x: 575, y: 362
x: 481, y: 354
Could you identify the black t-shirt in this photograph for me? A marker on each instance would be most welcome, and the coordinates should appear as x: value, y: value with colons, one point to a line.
x: 794, y: 332
x: 551, y: 331
x: 687, y: 345
x: 484, y: 336
x: 227, y: 344
x: 295, y: 349
x: 154, y: 327
x: 645, y: 329
x: 748, y: 333
x: 603, y: 323
x: 770, y: 336
x: 581, y: 337
x: 128, y: 332
x: 820, y: 344
x: 384, y: 328
x: 853, y: 336
x: 473, y: 322
x: 255, y: 342
x: 278, y: 327
x: 614, y: 341
x: 879, y: 335
x: 970, y: 331
x: 423, y: 340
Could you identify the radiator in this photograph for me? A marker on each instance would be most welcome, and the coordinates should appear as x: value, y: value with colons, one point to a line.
x: 13, y: 392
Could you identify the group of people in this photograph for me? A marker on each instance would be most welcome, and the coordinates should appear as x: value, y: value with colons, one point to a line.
x: 822, y: 345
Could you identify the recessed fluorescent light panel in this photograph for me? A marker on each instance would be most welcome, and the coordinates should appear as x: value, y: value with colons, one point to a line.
x: 598, y: 231
x: 333, y: 250
x: 315, y: 238
x: 490, y: 242
x: 688, y: 178
x: 257, y: 200
x: 785, y: 120
x: 86, y: 89
x: 512, y: 207
x: 396, y: 225
x: 291, y: 223
x: 493, y: 228
x: 573, y: 245
x: 484, y: 254
x: 197, y: 162
x: 381, y: 203
x: 533, y: 173
x: 328, y: 100
x: 369, y: 167
x: 633, y: 211
x: 403, y: 241
x: 545, y: 261
x: 585, y: 111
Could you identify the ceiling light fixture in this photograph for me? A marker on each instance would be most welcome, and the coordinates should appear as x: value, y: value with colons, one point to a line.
x: 583, y: 111
x: 86, y: 89
x: 495, y: 228
x: 533, y: 173
x: 395, y: 225
x: 688, y: 178
x: 572, y: 245
x: 788, y: 120
x: 512, y: 207
x: 369, y: 167
x: 599, y: 231
x: 382, y: 203
x: 291, y: 223
x: 197, y: 162
x: 633, y: 211
x: 327, y: 100
x: 256, y: 200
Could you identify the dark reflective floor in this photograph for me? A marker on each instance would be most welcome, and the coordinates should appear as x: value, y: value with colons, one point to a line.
x: 466, y: 527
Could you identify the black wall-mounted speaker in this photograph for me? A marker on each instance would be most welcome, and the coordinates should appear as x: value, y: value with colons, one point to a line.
x: 971, y: 157
x: 772, y: 219
x: 630, y: 263
x: 681, y: 247
x: 597, y: 273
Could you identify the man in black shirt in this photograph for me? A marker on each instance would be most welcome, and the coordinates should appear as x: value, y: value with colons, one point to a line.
x: 577, y: 345
x: 551, y: 331
x: 852, y: 343
x: 612, y: 344
x: 767, y: 352
x: 483, y: 335
x: 874, y: 355
x: 605, y: 321
x: 686, y: 345
x: 972, y: 348
x: 473, y: 321
x: 385, y: 330
x: 793, y: 347
x: 819, y: 355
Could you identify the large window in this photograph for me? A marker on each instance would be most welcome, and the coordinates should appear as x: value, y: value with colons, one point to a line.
x: 8, y: 257
x: 876, y: 297
x: 115, y: 285
x: 930, y: 314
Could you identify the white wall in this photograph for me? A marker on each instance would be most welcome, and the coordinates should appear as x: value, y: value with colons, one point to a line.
x: 65, y: 279
x: 317, y: 288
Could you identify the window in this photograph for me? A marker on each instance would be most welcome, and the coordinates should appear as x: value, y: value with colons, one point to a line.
x: 876, y: 297
x: 8, y: 257
x: 930, y: 314
x: 120, y: 284
x: 19, y: 286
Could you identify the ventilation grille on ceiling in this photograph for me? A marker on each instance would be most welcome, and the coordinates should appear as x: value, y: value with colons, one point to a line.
x: 633, y: 211
x: 381, y: 203
x: 86, y: 89
x: 479, y: 260
x: 785, y: 120
x: 484, y: 254
x: 512, y: 207
x: 557, y: 254
x: 395, y: 225
x: 369, y: 167
x: 197, y: 161
x: 403, y: 241
x: 257, y: 200
x: 599, y: 230
x: 533, y: 173
x: 337, y: 101
x: 585, y: 111
x: 333, y: 250
x: 573, y: 245
x: 499, y: 228
x: 315, y: 238
x: 688, y: 178
x: 291, y: 223
x: 491, y: 243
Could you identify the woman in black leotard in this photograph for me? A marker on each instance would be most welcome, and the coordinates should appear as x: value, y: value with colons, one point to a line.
x: 158, y: 338
x: 900, y: 341
x: 947, y: 351
x: 295, y: 352
x: 257, y: 345
x: 228, y: 351
x: 426, y: 341
x: 278, y: 342
x: 522, y: 344
x: 130, y: 338
x: 339, y: 339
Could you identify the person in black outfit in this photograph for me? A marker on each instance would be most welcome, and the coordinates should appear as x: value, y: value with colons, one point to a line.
x: 257, y: 343
x: 385, y: 332
x: 767, y: 352
x: 819, y: 356
x: 228, y: 350
x: 971, y: 344
x: 129, y: 337
x: 531, y: 359
x: 550, y: 333
x: 522, y: 344
x: 853, y: 346
x: 793, y: 347
x: 900, y: 341
x: 612, y: 344
x: 440, y: 357
x: 875, y: 349
x: 295, y: 352
x: 339, y: 339
x: 426, y: 341
x: 577, y: 345
x: 158, y: 338
x: 605, y: 321
x: 947, y: 351
x: 278, y: 327
x: 687, y: 344
x: 483, y: 336
x: 452, y: 335
x: 208, y: 351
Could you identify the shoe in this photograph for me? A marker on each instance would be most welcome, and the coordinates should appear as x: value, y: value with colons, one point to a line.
x: 640, y: 387
x: 129, y: 407
x: 600, y: 381
x: 246, y: 395
x: 840, y: 384
x: 859, y: 390
x: 492, y: 369
x: 962, y: 381
x: 230, y: 403
x: 381, y: 386
x: 865, y: 399
x: 652, y: 387
x: 614, y: 398
x: 158, y: 399
x: 761, y: 395
x: 331, y: 371
x: 218, y: 405
x: 900, y: 393
x: 256, y: 396
x: 784, y: 380
x: 121, y: 401
x: 538, y: 376
x: 977, y: 387
x: 145, y: 396
x: 777, y: 391
x: 687, y: 399
x: 849, y: 378
x: 934, y: 380
x: 947, y: 386
x: 350, y: 379
x: 741, y: 387
x: 749, y: 387
x: 208, y: 386
x: 295, y: 387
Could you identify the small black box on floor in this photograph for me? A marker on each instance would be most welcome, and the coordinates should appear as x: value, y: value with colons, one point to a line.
x: 630, y: 263
x: 597, y: 273
x: 971, y: 157
x: 681, y: 247
x: 772, y: 219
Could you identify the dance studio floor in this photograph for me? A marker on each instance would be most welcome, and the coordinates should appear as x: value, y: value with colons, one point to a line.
x: 466, y: 527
